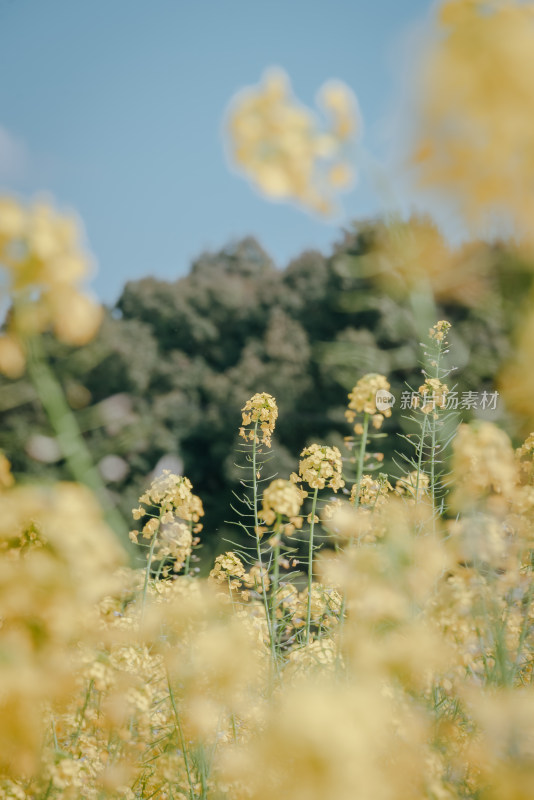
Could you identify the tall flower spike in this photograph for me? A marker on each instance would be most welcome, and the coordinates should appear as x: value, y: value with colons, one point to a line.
x: 260, y: 412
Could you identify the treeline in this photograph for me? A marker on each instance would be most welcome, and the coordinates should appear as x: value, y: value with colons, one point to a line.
x: 175, y: 361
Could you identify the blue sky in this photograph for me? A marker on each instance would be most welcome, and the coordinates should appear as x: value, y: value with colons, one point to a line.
x: 114, y: 108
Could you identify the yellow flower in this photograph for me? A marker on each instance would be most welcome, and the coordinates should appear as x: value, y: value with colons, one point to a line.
x: 363, y: 398
x: 281, y: 498
x: 43, y: 260
x: 260, y: 411
x: 6, y: 478
x: 12, y: 356
x: 440, y: 330
x: 476, y: 138
x: 321, y: 466
x: 434, y: 394
x: 406, y: 255
x: 278, y: 144
x: 484, y: 467
x: 372, y: 491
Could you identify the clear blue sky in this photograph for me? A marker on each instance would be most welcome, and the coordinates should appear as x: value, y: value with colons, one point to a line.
x: 114, y: 107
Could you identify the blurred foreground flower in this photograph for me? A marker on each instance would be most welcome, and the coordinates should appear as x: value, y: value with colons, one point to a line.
x: 57, y: 559
x: 476, y: 136
x: 410, y: 255
x: 279, y: 145
x: 43, y: 263
x: 516, y: 380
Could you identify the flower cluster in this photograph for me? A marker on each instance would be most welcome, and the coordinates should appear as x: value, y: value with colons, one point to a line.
x: 484, y: 465
x: 412, y: 485
x: 408, y: 254
x: 372, y: 491
x: 476, y: 145
x: 57, y: 559
x: 320, y: 466
x: 173, y: 513
x: 278, y: 145
x: 362, y: 400
x: 433, y: 392
x: 260, y: 412
x: 44, y: 263
x: 439, y: 331
x: 525, y: 458
x: 282, y: 499
x: 228, y: 570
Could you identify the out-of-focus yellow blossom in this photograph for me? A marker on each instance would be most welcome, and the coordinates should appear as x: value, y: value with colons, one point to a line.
x: 516, y: 379
x: 346, y: 523
x: 412, y: 484
x: 12, y: 356
x: 42, y: 258
x: 525, y: 457
x: 320, y: 466
x: 406, y: 256
x: 280, y: 146
x: 214, y: 654
x: 372, y: 491
x: 319, y: 655
x: 319, y: 740
x: 475, y: 134
x: 362, y: 399
x: 6, y: 478
x: 282, y: 499
x: 339, y: 102
x: 57, y: 558
x: 260, y: 412
x: 484, y: 467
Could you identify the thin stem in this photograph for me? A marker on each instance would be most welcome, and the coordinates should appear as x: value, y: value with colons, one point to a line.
x: 82, y: 712
x: 188, y: 559
x: 420, y: 457
x: 437, y: 375
x: 69, y: 437
x: 257, y: 538
x: 275, y: 582
x: 361, y: 458
x: 310, y: 566
x: 147, y: 571
x: 182, y: 740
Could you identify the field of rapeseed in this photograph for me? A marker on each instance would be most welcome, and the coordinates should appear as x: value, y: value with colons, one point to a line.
x: 370, y: 635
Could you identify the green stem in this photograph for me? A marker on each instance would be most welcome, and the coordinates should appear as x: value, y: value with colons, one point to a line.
x: 188, y: 559
x: 275, y: 583
x: 258, y: 545
x: 310, y: 566
x: 147, y: 571
x: 69, y: 437
x: 437, y: 374
x: 420, y: 457
x: 182, y: 740
x: 361, y: 458
x: 82, y: 712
